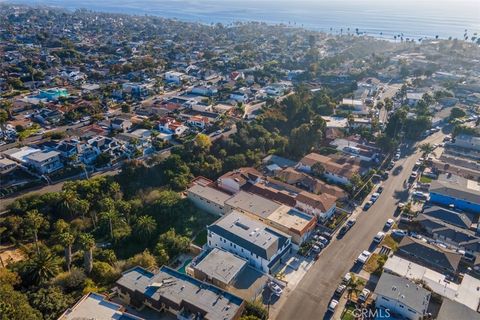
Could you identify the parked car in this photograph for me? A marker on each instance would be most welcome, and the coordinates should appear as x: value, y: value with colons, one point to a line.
x: 316, y: 248
x: 396, y: 157
x: 380, y: 189
x: 363, y: 257
x: 347, y: 278
x: 333, y: 305
x: 399, y: 232
x: 420, y: 195
x: 389, y: 223
x: 340, y: 289
x: 379, y: 237
x: 350, y: 223
x: 323, y: 240
x: 363, y: 296
x: 320, y: 244
x: 374, y: 197
x: 326, y: 235
x: 275, y: 288
x: 343, y: 230
x: 367, y: 205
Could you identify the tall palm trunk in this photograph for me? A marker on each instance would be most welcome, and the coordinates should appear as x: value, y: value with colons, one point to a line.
x: 88, y: 260
x: 68, y: 256
x: 111, y: 228
x: 35, y: 239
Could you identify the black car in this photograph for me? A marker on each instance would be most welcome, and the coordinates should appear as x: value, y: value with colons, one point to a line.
x: 343, y: 230
x: 380, y: 189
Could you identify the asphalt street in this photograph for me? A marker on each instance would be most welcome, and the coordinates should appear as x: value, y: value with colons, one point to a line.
x: 310, y: 298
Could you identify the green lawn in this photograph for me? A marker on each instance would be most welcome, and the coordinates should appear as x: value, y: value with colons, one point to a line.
x: 348, y: 313
x: 28, y: 132
x: 424, y: 179
x: 389, y: 242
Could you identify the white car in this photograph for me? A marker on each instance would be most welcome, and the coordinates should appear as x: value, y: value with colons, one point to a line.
x: 389, y: 223
x: 347, y: 278
x: 379, y: 237
x: 276, y: 290
x: 363, y: 257
x: 375, y: 197
x: 333, y: 305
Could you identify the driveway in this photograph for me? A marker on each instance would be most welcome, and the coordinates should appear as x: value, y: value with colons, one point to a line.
x: 312, y: 295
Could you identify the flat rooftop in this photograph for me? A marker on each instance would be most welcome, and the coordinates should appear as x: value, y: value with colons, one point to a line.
x: 209, y: 193
x: 291, y: 218
x: 173, y: 287
x: 221, y: 265
x: 335, y: 122
x: 254, y: 204
x: 250, y: 234
x: 20, y: 154
x: 95, y: 306
x: 42, y: 156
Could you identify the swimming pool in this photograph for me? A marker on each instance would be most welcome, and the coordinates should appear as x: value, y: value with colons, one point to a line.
x: 185, y: 264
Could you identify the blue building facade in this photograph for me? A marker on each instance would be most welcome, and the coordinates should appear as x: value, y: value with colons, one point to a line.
x: 465, y: 205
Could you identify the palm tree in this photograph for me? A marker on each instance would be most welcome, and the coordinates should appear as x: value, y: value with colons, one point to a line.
x: 68, y: 198
x: 145, y: 226
x: 2, y: 230
x: 3, y: 118
x: 352, y: 286
x: 67, y: 239
x: 426, y: 148
x: 350, y: 120
x: 34, y: 221
x: 109, y: 216
x: 41, y: 267
x: 88, y: 243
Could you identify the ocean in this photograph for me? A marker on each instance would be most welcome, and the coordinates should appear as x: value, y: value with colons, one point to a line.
x: 379, y: 18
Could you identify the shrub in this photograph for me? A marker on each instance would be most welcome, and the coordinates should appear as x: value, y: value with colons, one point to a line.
x: 104, y: 273
x: 71, y: 281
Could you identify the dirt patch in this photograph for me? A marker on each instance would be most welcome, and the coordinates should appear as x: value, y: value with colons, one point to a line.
x: 10, y: 254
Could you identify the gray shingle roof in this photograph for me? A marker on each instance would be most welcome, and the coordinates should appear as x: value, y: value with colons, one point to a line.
x: 454, y: 310
x: 455, y: 187
x: 404, y: 291
x: 455, y: 218
x: 428, y: 255
x: 178, y: 289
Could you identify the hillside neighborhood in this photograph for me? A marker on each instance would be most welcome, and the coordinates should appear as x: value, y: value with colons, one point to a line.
x: 158, y: 169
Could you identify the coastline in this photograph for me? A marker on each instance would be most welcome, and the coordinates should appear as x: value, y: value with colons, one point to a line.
x: 384, y: 28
